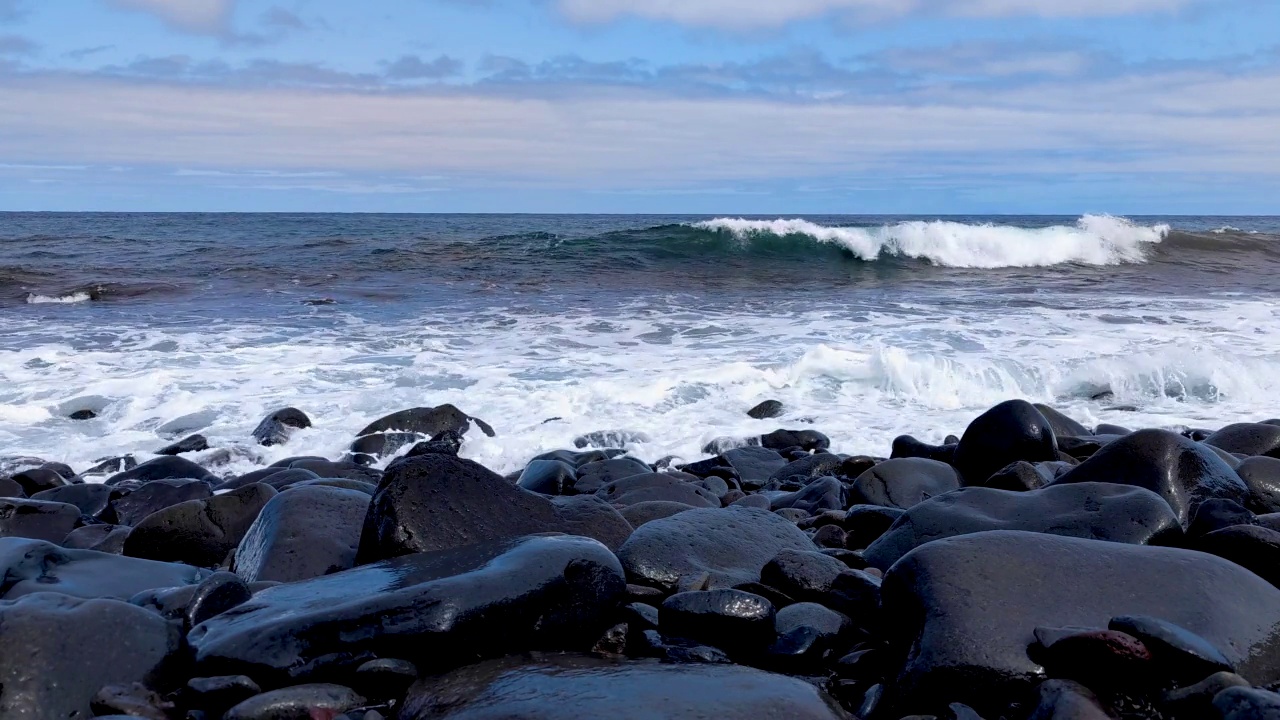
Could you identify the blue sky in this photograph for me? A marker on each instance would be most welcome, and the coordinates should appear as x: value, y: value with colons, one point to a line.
x: 742, y: 106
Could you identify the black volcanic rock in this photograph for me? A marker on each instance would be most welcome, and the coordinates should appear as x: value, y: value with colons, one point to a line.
x: 1011, y: 431
x: 904, y: 482
x: 729, y: 545
x: 809, y: 440
x: 437, y: 609
x: 35, y: 566
x: 60, y: 651
x: 729, y: 619
x: 199, y: 532
x: 1061, y: 424
x: 427, y: 421
x: 438, y: 502
x: 194, y: 443
x: 303, y: 533
x: 1099, y: 511
x: 1247, y: 439
x: 656, y: 486
x: 276, y: 428
x: 1262, y: 476
x: 164, y: 468
x: 130, y: 508
x: 767, y: 410
x: 961, y: 611
x: 37, y: 519
x: 1182, y: 471
x: 91, y: 499
x: 568, y: 687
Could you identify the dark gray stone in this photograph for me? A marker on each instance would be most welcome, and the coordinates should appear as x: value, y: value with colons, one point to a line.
x: 34, y: 566
x: 657, y: 486
x: 940, y: 597
x: 438, y: 502
x: 732, y: 620
x: 1068, y: 700
x: 644, y: 512
x: 103, y: 538
x: 1183, y: 472
x: 1061, y: 424
x: 61, y: 650
x: 300, y: 702
x: 808, y: 440
x: 130, y: 508
x: 1250, y: 546
x: 730, y: 545
x: 194, y: 443
x: 545, y: 592
x: 814, y: 577
x: 550, y: 477
x: 1261, y: 476
x: 427, y: 421
x: 754, y: 465
x: 825, y: 493
x: 904, y: 482
x: 595, y: 475
x: 1247, y: 439
x: 38, y: 520
x: 163, y: 468
x: 767, y: 410
x: 573, y: 687
x: 303, y: 533
x: 809, y: 466
x: 91, y: 499
x: 1240, y: 703
x: 1011, y: 431
x: 1099, y: 511
x: 610, y: 439
x: 199, y: 532
x: 37, y: 480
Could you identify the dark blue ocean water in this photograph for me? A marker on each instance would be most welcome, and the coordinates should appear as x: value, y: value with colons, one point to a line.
x: 668, y: 325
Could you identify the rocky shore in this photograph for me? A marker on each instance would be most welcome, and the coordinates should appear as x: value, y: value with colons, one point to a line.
x: 1031, y: 568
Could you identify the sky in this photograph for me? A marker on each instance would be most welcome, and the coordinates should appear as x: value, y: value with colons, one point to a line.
x: 680, y: 106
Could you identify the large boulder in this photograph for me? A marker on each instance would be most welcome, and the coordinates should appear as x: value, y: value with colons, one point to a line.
x: 1262, y: 476
x: 438, y: 502
x: 165, y: 467
x: 427, y: 421
x: 37, y: 519
x: 1011, y: 431
x: 1182, y: 471
x: 35, y: 566
x: 728, y: 545
x: 130, y: 508
x: 59, y: 651
x: 303, y: 533
x: 1061, y: 424
x: 1247, y: 439
x: 571, y: 687
x: 657, y: 486
x: 199, y: 532
x: 1100, y: 511
x: 962, y: 611
x: 904, y: 482
x: 276, y: 428
x: 754, y: 465
x: 593, y: 476
x: 543, y: 592
x: 91, y: 499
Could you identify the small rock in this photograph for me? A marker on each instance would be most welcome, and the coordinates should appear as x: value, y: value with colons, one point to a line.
x: 276, y: 428
x: 732, y: 620
x: 194, y: 443
x: 767, y: 410
x: 300, y: 702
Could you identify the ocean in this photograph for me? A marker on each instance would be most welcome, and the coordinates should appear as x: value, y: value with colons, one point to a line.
x: 671, y: 327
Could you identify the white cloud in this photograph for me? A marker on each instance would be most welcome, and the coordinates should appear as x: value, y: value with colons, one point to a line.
x: 613, y: 138
x: 755, y: 14
x: 201, y: 17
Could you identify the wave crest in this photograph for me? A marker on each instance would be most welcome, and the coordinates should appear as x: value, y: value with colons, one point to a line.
x: 75, y: 297
x: 1093, y: 240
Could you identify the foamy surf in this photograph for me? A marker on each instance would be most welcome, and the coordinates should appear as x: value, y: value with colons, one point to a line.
x: 1093, y: 240
x: 68, y: 299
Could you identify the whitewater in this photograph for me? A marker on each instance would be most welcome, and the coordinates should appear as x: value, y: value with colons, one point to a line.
x: 550, y: 327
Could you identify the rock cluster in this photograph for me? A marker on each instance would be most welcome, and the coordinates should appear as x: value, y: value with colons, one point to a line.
x: 1028, y: 569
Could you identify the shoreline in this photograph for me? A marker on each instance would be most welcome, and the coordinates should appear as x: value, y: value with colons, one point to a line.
x: 1029, y: 565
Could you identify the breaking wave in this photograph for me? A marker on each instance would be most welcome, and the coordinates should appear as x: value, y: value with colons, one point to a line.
x: 1093, y: 240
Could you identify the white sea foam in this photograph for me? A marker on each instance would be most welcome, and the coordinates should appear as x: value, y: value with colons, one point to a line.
x: 76, y: 297
x: 1093, y: 240
x: 682, y: 376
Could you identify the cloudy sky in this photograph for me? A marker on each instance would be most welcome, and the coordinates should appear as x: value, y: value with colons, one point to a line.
x: 743, y: 106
